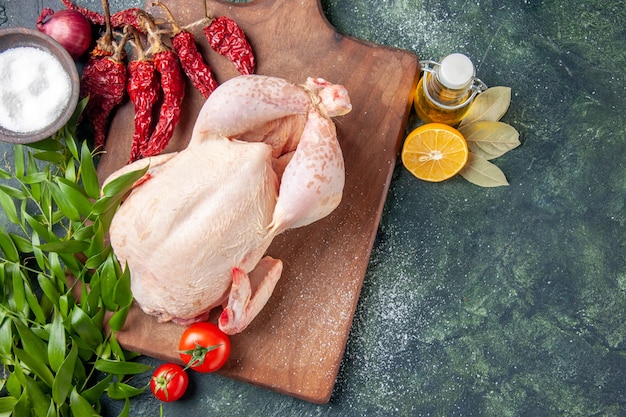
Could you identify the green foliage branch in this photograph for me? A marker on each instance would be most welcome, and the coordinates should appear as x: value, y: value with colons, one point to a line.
x: 60, y: 283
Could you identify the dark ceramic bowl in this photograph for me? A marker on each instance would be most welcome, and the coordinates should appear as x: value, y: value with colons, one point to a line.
x: 24, y: 37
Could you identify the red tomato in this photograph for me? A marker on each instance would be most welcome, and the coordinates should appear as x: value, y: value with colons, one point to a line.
x: 204, y: 347
x: 169, y: 382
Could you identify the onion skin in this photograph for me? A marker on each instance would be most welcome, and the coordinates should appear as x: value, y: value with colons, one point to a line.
x: 69, y: 28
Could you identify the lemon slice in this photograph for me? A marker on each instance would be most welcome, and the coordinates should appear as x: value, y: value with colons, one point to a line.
x: 434, y: 152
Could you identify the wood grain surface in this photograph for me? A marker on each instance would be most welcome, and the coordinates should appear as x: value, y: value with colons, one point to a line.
x: 296, y: 344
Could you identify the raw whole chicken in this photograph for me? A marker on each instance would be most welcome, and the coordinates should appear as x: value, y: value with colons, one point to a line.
x: 263, y: 158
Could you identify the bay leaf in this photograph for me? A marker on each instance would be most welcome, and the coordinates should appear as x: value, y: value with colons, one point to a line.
x: 490, y: 105
x: 483, y: 173
x: 490, y: 139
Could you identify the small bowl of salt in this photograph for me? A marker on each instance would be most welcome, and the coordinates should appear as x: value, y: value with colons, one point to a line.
x: 39, y: 85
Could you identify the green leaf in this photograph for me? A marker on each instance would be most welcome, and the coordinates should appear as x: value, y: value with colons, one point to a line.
x: 15, y: 382
x: 75, y: 195
x: 65, y: 304
x: 33, y: 166
x: 126, y: 410
x: 13, y: 192
x: 91, y: 301
x: 98, y: 319
x: 72, y: 264
x: 6, y: 340
x: 108, y: 281
x: 18, y: 151
x: 105, y: 204
x: 22, y: 244
x: 22, y: 408
x: 35, y: 178
x: 97, y: 247
x: 18, y: 279
x: 117, y: 350
x: 117, y: 320
x: 103, y: 219
x: 94, y: 393
x: 5, y: 175
x: 119, y: 391
x: 70, y: 144
x: 88, y: 172
x: 34, y: 305
x: 52, y: 410
x: 64, y: 203
x: 123, y: 293
x: 49, y: 288
x: 80, y: 107
x: 55, y: 266
x: 70, y: 172
x: 122, y: 184
x: 481, y: 172
x: 490, y: 139
x: 47, y: 144
x: 7, y: 404
x: 80, y: 406
x: 489, y: 105
x: 50, y: 156
x: 8, y: 247
x: 37, y: 366
x: 63, y: 381
x: 57, y: 342
x: 47, y: 208
x: 97, y: 259
x: 121, y: 368
x: 83, y: 233
x: 39, y: 401
x: 65, y: 246
x: 39, y: 255
x: 38, y: 227
x: 8, y: 206
x: 85, y: 328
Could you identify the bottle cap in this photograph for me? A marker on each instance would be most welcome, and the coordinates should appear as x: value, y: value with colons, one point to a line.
x: 456, y: 71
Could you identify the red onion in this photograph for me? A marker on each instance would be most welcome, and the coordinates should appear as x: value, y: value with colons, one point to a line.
x: 68, y: 27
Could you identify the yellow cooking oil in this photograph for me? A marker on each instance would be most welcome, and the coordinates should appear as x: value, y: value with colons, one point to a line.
x: 446, y: 89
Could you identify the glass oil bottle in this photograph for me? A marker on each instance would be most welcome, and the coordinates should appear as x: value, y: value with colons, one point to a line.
x: 446, y: 90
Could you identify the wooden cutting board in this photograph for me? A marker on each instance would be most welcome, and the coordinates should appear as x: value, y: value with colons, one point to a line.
x: 296, y: 344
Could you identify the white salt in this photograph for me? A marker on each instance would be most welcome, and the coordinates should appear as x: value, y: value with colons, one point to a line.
x: 34, y: 89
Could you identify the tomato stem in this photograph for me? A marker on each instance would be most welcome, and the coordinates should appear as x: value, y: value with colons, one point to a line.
x: 161, y: 382
x: 198, y: 354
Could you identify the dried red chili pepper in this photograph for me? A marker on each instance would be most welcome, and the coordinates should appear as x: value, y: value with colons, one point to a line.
x: 143, y: 90
x: 173, y: 89
x: 128, y: 17
x: 94, y: 17
x: 196, y: 69
x: 228, y: 39
x: 118, y: 19
x: 104, y: 82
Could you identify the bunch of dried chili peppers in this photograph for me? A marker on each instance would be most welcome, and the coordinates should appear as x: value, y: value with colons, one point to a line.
x: 156, y: 76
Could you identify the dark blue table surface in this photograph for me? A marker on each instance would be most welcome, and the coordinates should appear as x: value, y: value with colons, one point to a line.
x: 506, y: 301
